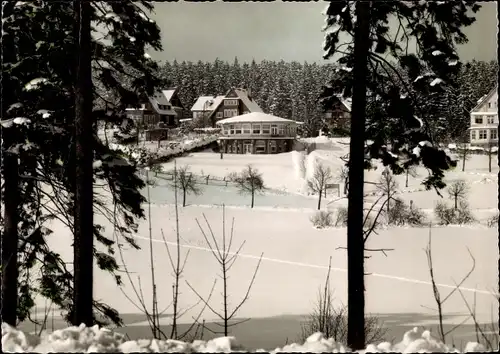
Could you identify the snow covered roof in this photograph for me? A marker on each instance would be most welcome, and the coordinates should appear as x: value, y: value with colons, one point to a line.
x: 255, y: 117
x: 347, y: 102
x: 485, y: 98
x: 199, y: 105
x: 169, y: 93
x: 159, y: 99
x: 250, y: 104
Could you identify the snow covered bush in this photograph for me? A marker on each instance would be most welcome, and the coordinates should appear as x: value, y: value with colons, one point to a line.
x: 341, y: 217
x: 401, y: 214
x: 322, y: 219
x: 100, y: 340
x: 493, y: 220
x: 447, y: 215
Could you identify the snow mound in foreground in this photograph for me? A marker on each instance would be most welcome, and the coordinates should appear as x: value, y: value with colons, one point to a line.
x: 100, y: 340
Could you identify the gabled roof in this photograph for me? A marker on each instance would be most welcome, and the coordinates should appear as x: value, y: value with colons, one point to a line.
x: 203, y: 103
x: 255, y: 117
x: 250, y: 104
x: 485, y: 98
x: 159, y: 99
x: 169, y: 93
x: 242, y: 95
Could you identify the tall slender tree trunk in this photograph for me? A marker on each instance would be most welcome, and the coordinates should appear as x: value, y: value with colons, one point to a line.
x: 83, y: 213
x: 319, y: 199
x: 9, y: 239
x: 355, y: 242
x: 253, y: 197
x: 407, y: 173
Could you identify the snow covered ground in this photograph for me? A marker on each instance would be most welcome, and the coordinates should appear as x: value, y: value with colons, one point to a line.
x: 296, y: 255
x: 96, y: 340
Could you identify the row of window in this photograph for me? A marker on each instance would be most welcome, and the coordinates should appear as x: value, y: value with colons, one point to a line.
x: 274, y: 129
x: 482, y: 134
x: 164, y: 106
x: 481, y: 119
x: 260, y: 147
x: 230, y: 102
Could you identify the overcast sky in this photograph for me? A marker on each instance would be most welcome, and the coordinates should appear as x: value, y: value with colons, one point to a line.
x: 273, y: 31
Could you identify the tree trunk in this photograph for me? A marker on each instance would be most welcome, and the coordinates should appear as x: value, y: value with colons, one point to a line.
x: 355, y: 242
x: 83, y: 213
x: 407, y: 172
x: 319, y: 200
x: 456, y: 202
x: 10, y: 239
x: 464, y: 157
x: 253, y: 197
x: 489, y: 158
x: 184, y: 197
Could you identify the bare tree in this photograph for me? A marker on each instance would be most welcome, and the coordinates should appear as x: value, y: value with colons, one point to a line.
x: 463, y: 152
x: 437, y: 295
x: 186, y: 181
x: 343, y: 177
x: 490, y: 152
x: 458, y: 191
x: 410, y: 171
x: 153, y: 316
x: 388, y: 186
x: 226, y: 258
x: 249, y: 181
x: 321, y: 177
x: 332, y: 322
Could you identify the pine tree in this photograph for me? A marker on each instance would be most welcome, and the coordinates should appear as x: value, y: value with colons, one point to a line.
x: 397, y: 127
x: 40, y: 92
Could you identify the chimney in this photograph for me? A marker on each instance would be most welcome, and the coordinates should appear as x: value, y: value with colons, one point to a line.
x: 249, y: 93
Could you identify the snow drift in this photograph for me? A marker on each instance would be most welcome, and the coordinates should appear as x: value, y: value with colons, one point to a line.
x: 100, y: 340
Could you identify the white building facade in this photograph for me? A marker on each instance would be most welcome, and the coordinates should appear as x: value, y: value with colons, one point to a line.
x: 484, y: 120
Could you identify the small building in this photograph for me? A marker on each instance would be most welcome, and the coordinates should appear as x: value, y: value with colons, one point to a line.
x: 204, y: 106
x: 257, y: 133
x: 338, y: 116
x: 172, y: 96
x: 157, y: 109
x: 484, y: 120
x: 235, y: 102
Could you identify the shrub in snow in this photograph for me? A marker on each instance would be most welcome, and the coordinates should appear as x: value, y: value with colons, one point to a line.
x: 447, y: 215
x: 100, y: 340
x: 341, y: 217
x: 322, y: 219
x: 493, y: 220
x: 401, y: 214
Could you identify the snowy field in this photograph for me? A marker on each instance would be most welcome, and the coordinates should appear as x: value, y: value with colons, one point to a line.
x: 296, y: 255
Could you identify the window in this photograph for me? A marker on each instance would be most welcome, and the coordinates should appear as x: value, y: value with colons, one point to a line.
x: 237, y: 129
x: 218, y: 114
x: 483, y: 134
x: 489, y: 104
x: 143, y: 106
x: 281, y: 130
x: 479, y: 120
x: 169, y: 107
x: 272, y: 144
x: 491, y: 119
x: 228, y: 113
x: 231, y: 129
x: 246, y: 128
x: 472, y: 135
x: 493, y: 134
x: 256, y: 129
x: 260, y: 147
x: 230, y: 102
x: 274, y: 129
x: 266, y: 128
